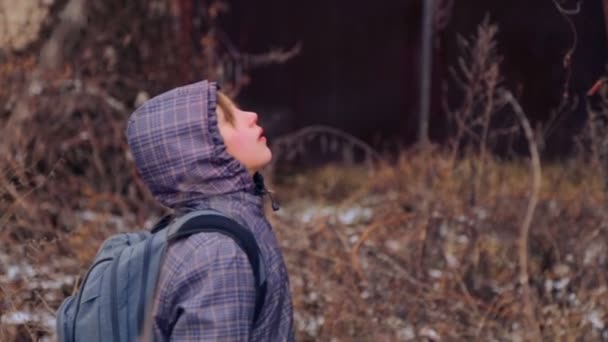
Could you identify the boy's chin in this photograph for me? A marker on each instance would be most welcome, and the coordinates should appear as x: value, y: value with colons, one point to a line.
x: 261, y: 162
x: 267, y: 158
x: 269, y: 152
x: 266, y: 162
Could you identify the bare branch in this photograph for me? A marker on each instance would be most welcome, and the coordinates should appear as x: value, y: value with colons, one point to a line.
x: 443, y: 14
x: 290, y: 139
x: 567, y: 61
x: 527, y: 222
x: 568, y: 11
x: 279, y: 56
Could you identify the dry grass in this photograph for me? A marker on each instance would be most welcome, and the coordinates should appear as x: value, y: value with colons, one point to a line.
x: 393, y: 253
x: 427, y: 263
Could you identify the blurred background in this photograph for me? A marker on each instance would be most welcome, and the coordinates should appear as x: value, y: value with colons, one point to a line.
x: 442, y: 165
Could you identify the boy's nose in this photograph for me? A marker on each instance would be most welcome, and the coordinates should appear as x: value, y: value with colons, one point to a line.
x: 254, y: 117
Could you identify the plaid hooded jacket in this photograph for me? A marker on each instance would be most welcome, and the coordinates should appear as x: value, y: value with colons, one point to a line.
x: 206, y: 288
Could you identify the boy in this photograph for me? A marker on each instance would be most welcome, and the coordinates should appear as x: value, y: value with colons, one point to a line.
x: 195, y: 149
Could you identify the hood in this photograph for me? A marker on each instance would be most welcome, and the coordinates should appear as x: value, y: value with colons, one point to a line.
x: 178, y: 149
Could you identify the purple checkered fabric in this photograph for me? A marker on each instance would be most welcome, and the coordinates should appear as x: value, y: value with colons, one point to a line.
x: 206, y: 288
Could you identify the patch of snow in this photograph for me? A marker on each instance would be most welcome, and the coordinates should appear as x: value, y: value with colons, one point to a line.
x: 52, y: 284
x: 561, y: 284
x: 354, y: 214
x: 444, y: 229
x: 435, y: 273
x: 561, y: 270
x: 346, y: 216
x: 22, y: 317
x: 313, y: 325
x: 429, y: 333
x: 122, y: 223
x: 392, y: 245
x: 463, y: 239
x: 481, y: 213
x: 308, y: 214
x: 312, y: 297
x: 18, y: 317
x: 595, y: 317
x: 569, y: 257
x: 573, y: 299
x: 406, y: 334
x: 553, y: 207
x: 596, y: 252
x: 452, y: 261
x: 22, y: 270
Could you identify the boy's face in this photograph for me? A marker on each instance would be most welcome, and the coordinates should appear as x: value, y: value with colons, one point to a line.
x: 243, y: 138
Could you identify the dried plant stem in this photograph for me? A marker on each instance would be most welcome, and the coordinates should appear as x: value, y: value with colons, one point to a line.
x: 321, y: 129
x: 13, y: 307
x: 20, y: 199
x: 525, y: 227
x: 354, y: 254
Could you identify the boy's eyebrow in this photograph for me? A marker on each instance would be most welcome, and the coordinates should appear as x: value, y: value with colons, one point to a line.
x: 235, y: 103
x: 232, y: 102
x: 222, y: 114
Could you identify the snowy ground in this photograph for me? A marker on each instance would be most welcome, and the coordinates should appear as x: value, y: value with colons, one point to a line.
x: 50, y: 280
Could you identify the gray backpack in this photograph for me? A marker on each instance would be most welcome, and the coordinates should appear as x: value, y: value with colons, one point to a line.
x: 115, y: 297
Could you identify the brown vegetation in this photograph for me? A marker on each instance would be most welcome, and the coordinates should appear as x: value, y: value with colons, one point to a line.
x: 444, y: 244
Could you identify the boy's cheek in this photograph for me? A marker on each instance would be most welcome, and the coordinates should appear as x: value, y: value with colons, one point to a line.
x: 240, y: 143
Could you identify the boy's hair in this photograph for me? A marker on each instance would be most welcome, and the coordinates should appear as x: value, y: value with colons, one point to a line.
x: 227, y: 106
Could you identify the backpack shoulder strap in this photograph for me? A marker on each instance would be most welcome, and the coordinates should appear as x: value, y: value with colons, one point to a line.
x: 210, y: 221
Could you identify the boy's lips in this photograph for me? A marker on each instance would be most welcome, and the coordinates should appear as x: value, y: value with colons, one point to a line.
x: 261, y: 136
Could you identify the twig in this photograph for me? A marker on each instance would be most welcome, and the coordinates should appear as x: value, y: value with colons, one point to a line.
x: 332, y: 318
x: 112, y: 102
x: 44, y: 302
x: 291, y: 138
x: 476, y: 76
x: 398, y: 271
x: 568, y: 11
x: 525, y: 227
x: 354, y: 253
x: 279, y: 56
x: 92, y: 89
x: 492, y: 310
x: 596, y: 86
x: 443, y: 14
x: 14, y: 308
x: 240, y: 62
x: 20, y: 200
x: 316, y: 255
x: 567, y: 61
